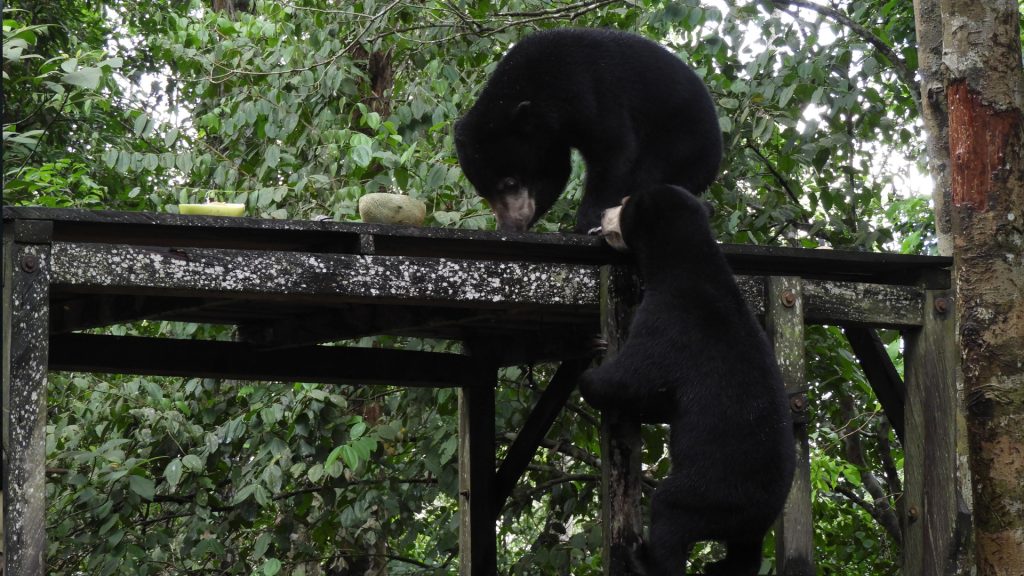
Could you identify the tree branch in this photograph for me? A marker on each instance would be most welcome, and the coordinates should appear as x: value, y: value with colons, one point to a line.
x: 905, y: 74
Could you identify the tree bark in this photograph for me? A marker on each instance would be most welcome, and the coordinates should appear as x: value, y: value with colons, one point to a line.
x: 928, y: 22
x: 984, y: 92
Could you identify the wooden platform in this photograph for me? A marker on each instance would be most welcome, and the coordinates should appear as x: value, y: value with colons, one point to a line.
x: 291, y: 286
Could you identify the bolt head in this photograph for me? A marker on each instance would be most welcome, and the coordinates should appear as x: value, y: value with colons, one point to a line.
x: 30, y: 263
x: 788, y: 299
x: 941, y: 305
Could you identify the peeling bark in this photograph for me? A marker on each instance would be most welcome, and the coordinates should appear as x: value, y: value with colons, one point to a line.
x: 985, y: 99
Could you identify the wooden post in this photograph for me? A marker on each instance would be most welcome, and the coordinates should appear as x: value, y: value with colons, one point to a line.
x: 620, y: 436
x: 934, y: 527
x: 26, y: 297
x: 784, y: 321
x: 477, y: 539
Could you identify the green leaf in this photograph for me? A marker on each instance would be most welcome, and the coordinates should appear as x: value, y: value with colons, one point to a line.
x: 144, y: 487
x: 262, y: 544
x: 88, y: 78
x: 361, y: 155
x: 273, y: 155
x: 172, y: 472
x: 171, y: 137
x: 243, y: 494
x: 271, y: 567
x: 333, y: 456
x: 192, y: 462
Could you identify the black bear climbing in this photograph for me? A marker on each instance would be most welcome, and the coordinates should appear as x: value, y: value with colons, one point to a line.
x: 697, y: 358
x: 637, y: 114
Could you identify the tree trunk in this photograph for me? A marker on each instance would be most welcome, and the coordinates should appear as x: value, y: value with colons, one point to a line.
x: 928, y: 21
x: 984, y: 93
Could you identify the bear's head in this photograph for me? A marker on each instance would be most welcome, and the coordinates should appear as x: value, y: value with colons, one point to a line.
x: 657, y: 218
x: 511, y: 163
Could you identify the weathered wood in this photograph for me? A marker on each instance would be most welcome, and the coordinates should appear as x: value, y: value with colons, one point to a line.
x: 477, y: 539
x: 847, y: 303
x: 784, y: 322
x: 537, y: 424
x: 297, y: 277
x: 242, y: 361
x: 621, y: 445
x: 881, y: 374
x: 827, y: 302
x: 95, y: 311
x: 25, y: 344
x: 142, y: 228
x: 934, y: 528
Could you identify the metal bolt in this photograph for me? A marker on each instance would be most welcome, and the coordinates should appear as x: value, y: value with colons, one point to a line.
x: 797, y: 403
x: 30, y: 263
x: 912, y: 514
x: 788, y: 299
x: 941, y: 305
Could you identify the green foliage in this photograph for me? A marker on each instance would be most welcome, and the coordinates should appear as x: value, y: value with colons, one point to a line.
x: 298, y: 108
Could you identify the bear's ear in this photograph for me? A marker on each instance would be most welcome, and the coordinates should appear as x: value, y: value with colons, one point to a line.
x: 521, y: 116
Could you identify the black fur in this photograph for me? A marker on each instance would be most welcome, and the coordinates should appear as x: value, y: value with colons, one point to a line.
x: 697, y: 358
x: 638, y: 115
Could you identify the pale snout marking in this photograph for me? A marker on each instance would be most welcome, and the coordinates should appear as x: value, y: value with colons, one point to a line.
x: 515, y: 211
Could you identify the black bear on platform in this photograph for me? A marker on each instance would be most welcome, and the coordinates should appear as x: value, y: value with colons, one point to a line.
x: 696, y: 357
x: 638, y: 115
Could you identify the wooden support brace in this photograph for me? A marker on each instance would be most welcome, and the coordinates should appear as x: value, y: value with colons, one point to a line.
x: 26, y: 293
x: 934, y: 524
x: 621, y: 444
x: 242, y: 361
x: 536, y: 428
x: 477, y: 539
x: 784, y: 319
x: 881, y: 374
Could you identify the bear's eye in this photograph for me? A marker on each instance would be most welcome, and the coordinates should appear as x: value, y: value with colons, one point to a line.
x: 508, y: 184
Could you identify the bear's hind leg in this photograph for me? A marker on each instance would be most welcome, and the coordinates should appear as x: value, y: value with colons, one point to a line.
x: 742, y: 558
x: 676, y: 524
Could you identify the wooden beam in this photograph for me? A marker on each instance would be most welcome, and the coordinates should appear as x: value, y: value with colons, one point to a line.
x: 536, y: 429
x: 935, y: 526
x: 621, y: 445
x: 26, y: 326
x: 881, y: 374
x: 321, y: 278
x: 478, y: 552
x: 140, y: 228
x: 794, y: 531
x: 99, y: 310
x: 242, y: 361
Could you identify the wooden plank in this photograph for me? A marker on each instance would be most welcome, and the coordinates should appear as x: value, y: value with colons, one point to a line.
x: 209, y: 272
x: 934, y: 526
x: 881, y: 374
x: 176, y: 230
x: 242, y: 361
x: 478, y: 553
x: 25, y: 331
x: 95, y: 311
x: 847, y: 303
x: 536, y: 428
x: 828, y: 302
x: 794, y: 531
x: 621, y: 445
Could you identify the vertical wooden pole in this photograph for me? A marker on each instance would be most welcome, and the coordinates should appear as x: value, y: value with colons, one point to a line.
x: 26, y: 330
x: 784, y: 321
x: 477, y: 539
x: 933, y: 527
x: 620, y: 436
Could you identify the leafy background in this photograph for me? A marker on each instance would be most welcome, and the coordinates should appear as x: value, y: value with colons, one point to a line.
x: 298, y: 108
